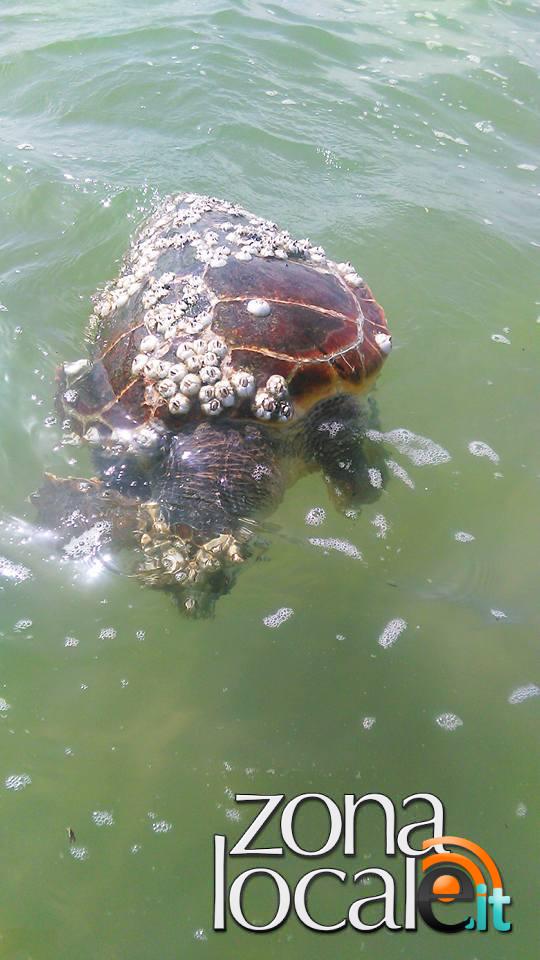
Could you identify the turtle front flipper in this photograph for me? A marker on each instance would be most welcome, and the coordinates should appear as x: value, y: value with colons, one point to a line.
x: 334, y: 437
x: 86, y: 515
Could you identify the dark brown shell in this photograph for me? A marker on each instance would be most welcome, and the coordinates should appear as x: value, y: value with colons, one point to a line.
x: 319, y: 334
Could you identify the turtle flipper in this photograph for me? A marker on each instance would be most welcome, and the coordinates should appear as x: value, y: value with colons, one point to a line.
x: 86, y: 514
x: 334, y: 437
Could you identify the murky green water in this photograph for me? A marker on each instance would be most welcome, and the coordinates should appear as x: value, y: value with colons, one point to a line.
x: 400, y: 135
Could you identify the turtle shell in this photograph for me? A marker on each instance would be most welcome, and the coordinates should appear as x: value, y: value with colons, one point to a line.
x: 217, y: 311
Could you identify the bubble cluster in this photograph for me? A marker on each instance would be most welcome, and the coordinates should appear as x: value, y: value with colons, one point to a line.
x: 480, y: 449
x: 526, y: 692
x: 422, y: 451
x: 276, y: 619
x: 448, y: 721
x: 23, y: 624
x: 14, y: 571
x: 498, y: 614
x: 107, y: 633
x: 341, y: 546
x: 462, y: 537
x: 316, y: 516
x: 17, y: 781
x: 393, y: 629
x: 79, y: 853
x: 71, y: 642
x: 103, y: 818
x: 368, y: 723
x: 161, y: 826
x: 400, y: 473
x: 4, y: 705
x: 381, y: 525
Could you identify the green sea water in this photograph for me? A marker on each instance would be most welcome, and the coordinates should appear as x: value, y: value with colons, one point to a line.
x: 403, y: 136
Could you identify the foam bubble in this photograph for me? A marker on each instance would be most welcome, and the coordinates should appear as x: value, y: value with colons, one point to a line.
x: 375, y: 477
x: 422, y: 451
x: 108, y: 633
x: 448, y: 721
x: 381, y: 525
x: 14, y: 571
x: 368, y: 723
x: 315, y: 516
x: 480, y: 449
x: 161, y: 826
x: 400, y: 473
x: 393, y: 629
x: 276, y: 619
x: 4, y: 705
x: 200, y: 935
x: 332, y: 543
x: 498, y: 614
x: 23, y: 624
x: 498, y: 338
x: 232, y: 814
x: 17, y: 781
x: 521, y: 810
x: 525, y: 692
x: 71, y: 642
x: 462, y: 537
x: 103, y: 818
x: 79, y: 853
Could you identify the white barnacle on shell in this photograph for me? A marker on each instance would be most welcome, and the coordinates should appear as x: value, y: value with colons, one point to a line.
x: 285, y: 411
x: 139, y: 363
x: 190, y: 385
x: 177, y: 372
x: 217, y: 346
x: 198, y: 346
x: 210, y: 374
x: 167, y: 388
x: 92, y: 436
x: 193, y: 362
x: 276, y: 385
x: 259, y: 308
x: 179, y: 404
x: 212, y: 408
x: 384, y: 342
x: 149, y: 344
x: 264, y: 405
x: 206, y: 393
x: 243, y: 382
x: 224, y: 393
x: 152, y: 368
x: 184, y: 350
x: 76, y: 368
x: 353, y: 279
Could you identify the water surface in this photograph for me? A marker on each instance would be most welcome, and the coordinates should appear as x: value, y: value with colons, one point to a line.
x: 402, y: 136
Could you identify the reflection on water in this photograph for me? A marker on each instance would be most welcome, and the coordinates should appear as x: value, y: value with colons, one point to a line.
x: 389, y: 648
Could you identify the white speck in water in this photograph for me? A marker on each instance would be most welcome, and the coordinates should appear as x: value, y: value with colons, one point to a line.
x: 103, y: 818
x: 393, y: 629
x: 4, y: 705
x: 25, y: 146
x: 71, y: 642
x: 140, y: 634
x: 232, y: 814
x: 531, y: 167
x: 381, y: 525
x: 485, y: 126
x: 135, y: 848
x: 124, y: 682
x: 521, y: 810
x: 315, y: 516
x: 448, y: 721
x: 480, y: 449
x: 161, y: 826
x: 498, y: 614
x: 108, y: 633
x: 332, y: 543
x: 79, y: 853
x: 200, y: 935
x: 462, y: 537
x: 526, y: 692
x: 17, y: 781
x: 368, y: 723
x: 276, y: 619
x: 498, y: 338
x: 22, y: 625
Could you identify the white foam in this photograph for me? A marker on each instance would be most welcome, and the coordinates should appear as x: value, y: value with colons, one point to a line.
x: 332, y: 543
x: 276, y: 619
x: 480, y: 449
x: 525, y: 692
x: 315, y: 516
x: 448, y: 721
x: 393, y: 629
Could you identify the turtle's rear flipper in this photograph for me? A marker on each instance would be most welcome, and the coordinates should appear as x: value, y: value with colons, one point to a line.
x: 86, y: 515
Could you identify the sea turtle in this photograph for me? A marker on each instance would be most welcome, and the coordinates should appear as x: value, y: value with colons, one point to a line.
x: 224, y: 356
